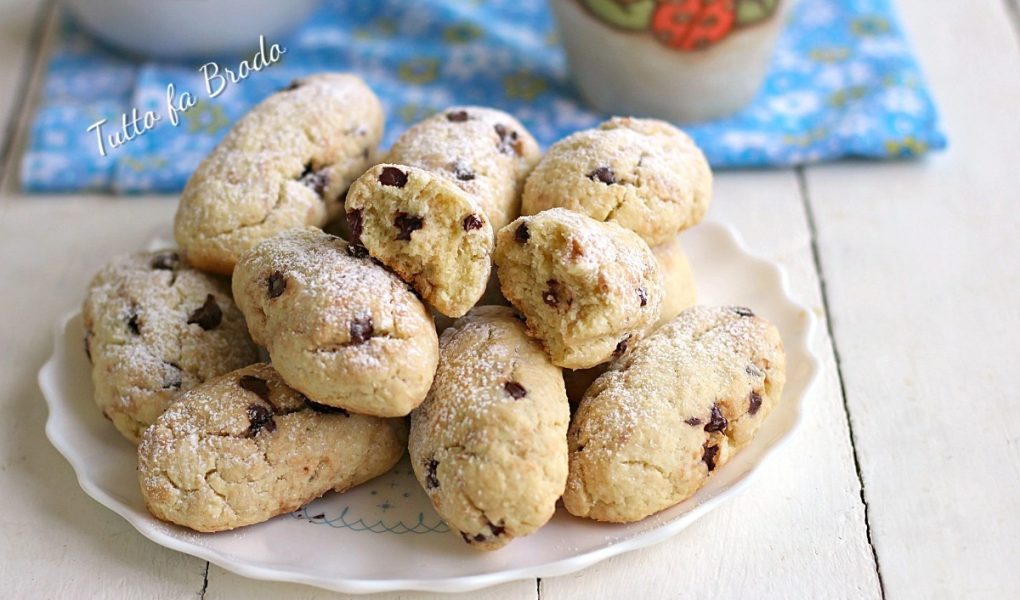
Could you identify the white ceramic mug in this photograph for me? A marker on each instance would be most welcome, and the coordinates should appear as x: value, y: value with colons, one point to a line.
x: 189, y: 28
x: 679, y: 60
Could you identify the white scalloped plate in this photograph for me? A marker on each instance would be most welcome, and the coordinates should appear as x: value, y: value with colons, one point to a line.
x: 384, y: 535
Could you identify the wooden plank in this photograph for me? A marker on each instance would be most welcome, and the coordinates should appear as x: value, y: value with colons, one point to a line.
x: 922, y: 262
x: 58, y: 543
x: 798, y: 531
x: 21, y: 31
x: 224, y: 585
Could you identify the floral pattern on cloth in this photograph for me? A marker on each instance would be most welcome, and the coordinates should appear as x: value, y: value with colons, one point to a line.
x: 843, y: 83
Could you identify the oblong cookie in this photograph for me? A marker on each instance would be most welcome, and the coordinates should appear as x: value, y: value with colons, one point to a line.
x: 339, y: 328
x: 244, y: 447
x: 155, y: 327
x: 287, y: 163
x: 650, y: 431
x: 488, y: 444
x: 680, y: 294
x: 642, y: 174
x: 485, y: 151
x: 587, y: 289
x: 431, y: 233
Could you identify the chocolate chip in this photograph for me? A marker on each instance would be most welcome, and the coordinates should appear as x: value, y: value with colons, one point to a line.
x: 508, y: 140
x: 166, y: 261
x: 458, y: 116
x: 462, y: 171
x: 354, y: 222
x: 522, y: 235
x: 293, y: 85
x: 208, y: 316
x: 603, y: 174
x: 753, y: 403
x: 176, y: 379
x: 276, y: 284
x: 643, y: 296
x: 497, y: 530
x: 260, y: 418
x: 515, y: 390
x: 325, y: 409
x: 621, y: 348
x: 431, y: 480
x: 743, y: 312
x: 478, y: 537
x: 393, y: 177
x: 88, y: 341
x: 132, y: 323
x: 318, y: 181
x: 716, y: 421
x: 366, y: 153
x: 472, y: 222
x: 361, y: 330
x: 552, y: 295
x: 357, y: 251
x: 693, y: 421
x: 255, y: 385
x: 709, y: 457
x: 406, y: 225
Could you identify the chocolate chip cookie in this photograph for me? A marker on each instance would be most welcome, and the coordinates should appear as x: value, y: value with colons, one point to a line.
x: 154, y: 327
x: 285, y: 164
x: 486, y: 152
x: 488, y: 444
x: 244, y: 447
x: 587, y: 289
x: 339, y: 328
x: 433, y: 234
x: 642, y: 174
x: 652, y: 429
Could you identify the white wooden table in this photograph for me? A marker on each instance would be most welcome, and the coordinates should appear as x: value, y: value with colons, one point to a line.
x: 904, y: 481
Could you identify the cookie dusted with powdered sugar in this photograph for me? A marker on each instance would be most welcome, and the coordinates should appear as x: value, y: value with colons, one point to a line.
x: 587, y: 289
x: 679, y: 294
x: 486, y: 152
x: 434, y: 235
x: 154, y: 327
x: 489, y: 442
x: 652, y: 429
x: 642, y: 174
x: 287, y: 163
x: 244, y: 447
x: 339, y: 328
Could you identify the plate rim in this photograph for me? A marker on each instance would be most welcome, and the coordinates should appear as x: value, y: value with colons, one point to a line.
x: 462, y: 583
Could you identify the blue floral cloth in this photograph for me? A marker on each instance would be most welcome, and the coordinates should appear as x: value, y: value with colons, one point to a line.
x: 843, y: 83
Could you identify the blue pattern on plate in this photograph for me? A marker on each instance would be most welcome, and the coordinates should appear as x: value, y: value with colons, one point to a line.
x: 843, y: 83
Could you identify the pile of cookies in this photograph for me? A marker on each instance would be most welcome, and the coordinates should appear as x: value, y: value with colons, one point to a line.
x: 470, y: 282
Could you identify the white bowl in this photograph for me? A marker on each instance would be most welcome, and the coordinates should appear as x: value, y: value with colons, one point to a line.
x: 189, y: 28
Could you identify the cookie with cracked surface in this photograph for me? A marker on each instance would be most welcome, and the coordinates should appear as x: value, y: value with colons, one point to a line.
x: 287, y: 163
x: 679, y: 295
x: 431, y: 233
x: 489, y: 442
x: 245, y: 447
x: 154, y: 327
x: 486, y: 152
x: 339, y: 327
x: 587, y: 289
x: 652, y: 429
x: 642, y: 174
